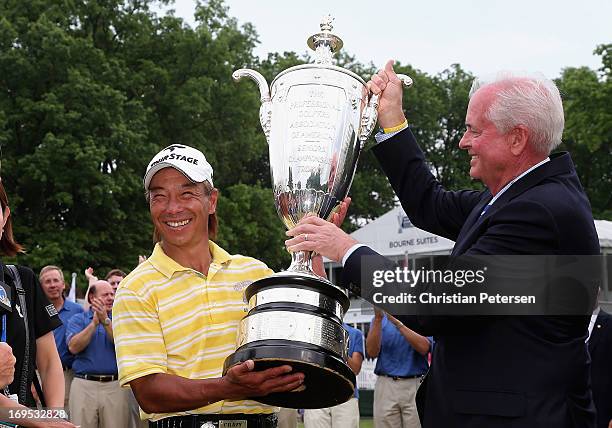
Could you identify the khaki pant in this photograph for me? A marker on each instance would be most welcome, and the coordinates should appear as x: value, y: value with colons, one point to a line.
x: 98, y: 404
x: 345, y: 415
x: 135, y: 421
x: 394, y: 403
x: 68, y: 376
x: 287, y: 418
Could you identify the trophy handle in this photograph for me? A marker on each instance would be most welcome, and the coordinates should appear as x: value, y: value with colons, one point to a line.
x: 370, y: 114
x: 265, y: 111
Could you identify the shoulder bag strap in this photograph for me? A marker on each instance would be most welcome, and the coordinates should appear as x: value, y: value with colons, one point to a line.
x: 23, y: 387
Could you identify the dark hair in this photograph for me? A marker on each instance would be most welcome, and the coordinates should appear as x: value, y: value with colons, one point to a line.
x: 8, y: 245
x: 115, y: 272
x: 213, y: 222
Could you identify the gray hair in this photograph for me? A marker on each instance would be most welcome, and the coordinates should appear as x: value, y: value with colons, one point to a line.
x: 525, y: 99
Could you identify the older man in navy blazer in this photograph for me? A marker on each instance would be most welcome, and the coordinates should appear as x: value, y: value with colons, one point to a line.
x: 529, y: 371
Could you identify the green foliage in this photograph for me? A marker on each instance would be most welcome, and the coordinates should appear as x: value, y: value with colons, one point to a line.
x: 89, y: 92
x: 587, y: 97
x: 249, y: 225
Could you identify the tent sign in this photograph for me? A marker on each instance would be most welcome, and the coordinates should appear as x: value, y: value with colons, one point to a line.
x: 428, y: 240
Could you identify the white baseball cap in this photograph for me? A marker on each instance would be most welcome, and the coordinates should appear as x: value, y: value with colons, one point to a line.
x: 189, y: 161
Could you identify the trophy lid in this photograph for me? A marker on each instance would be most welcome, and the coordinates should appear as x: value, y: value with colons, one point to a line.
x: 325, y: 43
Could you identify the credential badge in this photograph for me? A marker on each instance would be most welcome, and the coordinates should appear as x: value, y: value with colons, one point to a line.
x: 51, y: 310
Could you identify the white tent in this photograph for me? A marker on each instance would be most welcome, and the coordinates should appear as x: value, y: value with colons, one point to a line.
x: 604, y: 232
x: 392, y: 234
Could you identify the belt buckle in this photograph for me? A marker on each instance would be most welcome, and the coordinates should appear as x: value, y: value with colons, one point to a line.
x: 235, y: 423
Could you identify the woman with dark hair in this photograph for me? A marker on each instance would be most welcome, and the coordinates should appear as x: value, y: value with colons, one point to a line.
x: 29, y: 332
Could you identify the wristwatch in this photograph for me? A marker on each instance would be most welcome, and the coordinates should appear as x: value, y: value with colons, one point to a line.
x: 107, y: 321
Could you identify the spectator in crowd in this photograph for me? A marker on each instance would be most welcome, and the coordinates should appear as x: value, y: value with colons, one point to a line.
x: 27, y: 322
x: 96, y: 399
x: 53, y: 284
x: 401, y: 364
x: 7, y: 365
x: 177, y: 313
x: 91, y: 279
x: 600, y: 348
x: 345, y: 415
x: 523, y: 371
x: 114, y: 277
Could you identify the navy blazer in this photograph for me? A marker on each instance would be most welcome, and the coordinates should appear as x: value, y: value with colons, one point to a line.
x: 529, y: 371
x: 600, y: 348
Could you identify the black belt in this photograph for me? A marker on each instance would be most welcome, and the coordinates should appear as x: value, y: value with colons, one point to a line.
x: 97, y: 377
x: 401, y: 377
x: 218, y: 421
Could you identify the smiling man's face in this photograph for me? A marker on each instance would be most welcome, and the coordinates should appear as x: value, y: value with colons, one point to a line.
x: 488, y: 148
x: 180, y: 209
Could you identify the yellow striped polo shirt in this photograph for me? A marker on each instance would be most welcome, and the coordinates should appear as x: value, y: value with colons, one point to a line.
x: 171, y: 319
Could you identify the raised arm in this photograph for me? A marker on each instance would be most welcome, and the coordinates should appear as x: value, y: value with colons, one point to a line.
x: 374, y: 335
x: 79, y: 337
x: 418, y: 342
x: 428, y: 205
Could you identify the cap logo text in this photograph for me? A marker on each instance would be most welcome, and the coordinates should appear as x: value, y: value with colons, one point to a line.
x: 176, y: 156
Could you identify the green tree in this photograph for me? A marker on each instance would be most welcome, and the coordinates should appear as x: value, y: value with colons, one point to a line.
x: 249, y: 225
x: 587, y: 97
x: 89, y: 92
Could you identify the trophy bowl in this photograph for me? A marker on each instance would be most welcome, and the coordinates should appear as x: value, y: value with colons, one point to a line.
x: 316, y: 118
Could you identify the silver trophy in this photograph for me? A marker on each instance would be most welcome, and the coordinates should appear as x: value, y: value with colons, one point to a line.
x: 316, y: 119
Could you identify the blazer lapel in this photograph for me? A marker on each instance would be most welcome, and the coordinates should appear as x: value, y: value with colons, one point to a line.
x: 469, y: 227
x: 598, y: 327
x: 559, y: 163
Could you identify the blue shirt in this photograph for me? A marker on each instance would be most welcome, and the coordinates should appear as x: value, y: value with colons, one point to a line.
x: 397, y: 357
x: 355, y: 345
x: 65, y: 313
x: 99, y: 356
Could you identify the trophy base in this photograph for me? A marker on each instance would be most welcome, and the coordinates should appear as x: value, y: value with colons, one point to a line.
x: 328, y: 381
x: 296, y: 320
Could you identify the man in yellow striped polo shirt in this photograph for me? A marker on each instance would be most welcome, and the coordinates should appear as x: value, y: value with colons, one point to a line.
x: 176, y: 315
